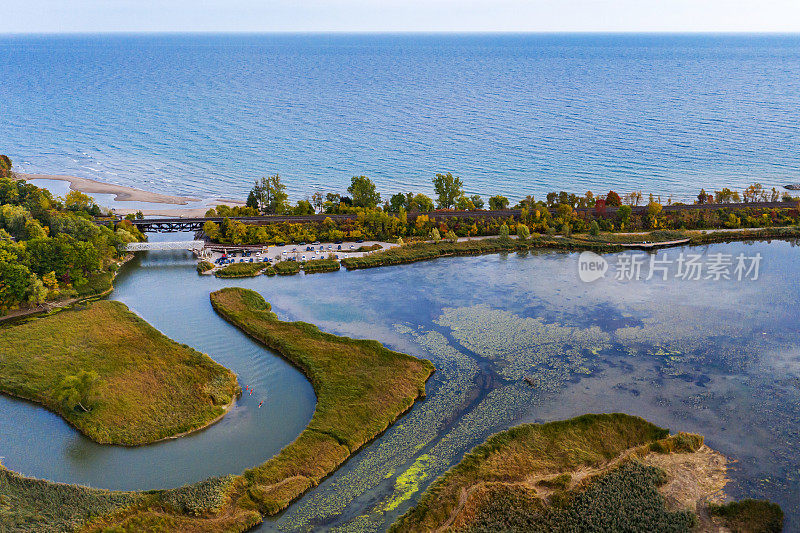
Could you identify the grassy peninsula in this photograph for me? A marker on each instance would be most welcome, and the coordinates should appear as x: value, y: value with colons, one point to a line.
x: 113, y: 376
x: 610, y: 472
x: 361, y: 386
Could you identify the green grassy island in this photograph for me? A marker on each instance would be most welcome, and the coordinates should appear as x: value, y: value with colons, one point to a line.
x: 113, y: 376
x: 609, y: 472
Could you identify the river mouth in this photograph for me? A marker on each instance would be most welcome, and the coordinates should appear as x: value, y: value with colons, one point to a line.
x: 716, y: 358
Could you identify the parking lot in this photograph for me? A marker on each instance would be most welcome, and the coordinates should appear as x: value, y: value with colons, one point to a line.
x: 291, y: 252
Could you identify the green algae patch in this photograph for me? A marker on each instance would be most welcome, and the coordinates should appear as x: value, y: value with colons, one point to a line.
x: 408, y: 483
x: 112, y: 376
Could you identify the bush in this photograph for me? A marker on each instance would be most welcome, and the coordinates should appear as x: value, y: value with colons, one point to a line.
x: 241, y: 270
x: 321, y: 265
x: 203, y: 267
x: 750, y: 516
x: 287, y: 268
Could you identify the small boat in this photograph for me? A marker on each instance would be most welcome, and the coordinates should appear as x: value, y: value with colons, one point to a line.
x: 792, y: 187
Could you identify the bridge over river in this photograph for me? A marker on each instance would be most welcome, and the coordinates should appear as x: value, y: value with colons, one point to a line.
x: 194, y: 246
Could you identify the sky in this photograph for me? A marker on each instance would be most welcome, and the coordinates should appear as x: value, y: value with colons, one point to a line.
x: 68, y: 16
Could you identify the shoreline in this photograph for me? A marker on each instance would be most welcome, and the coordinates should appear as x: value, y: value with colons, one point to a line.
x: 122, y: 193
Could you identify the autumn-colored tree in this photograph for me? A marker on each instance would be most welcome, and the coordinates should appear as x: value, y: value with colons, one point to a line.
x: 613, y: 199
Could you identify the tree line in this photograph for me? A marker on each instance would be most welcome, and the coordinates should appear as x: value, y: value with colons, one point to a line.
x: 50, y: 248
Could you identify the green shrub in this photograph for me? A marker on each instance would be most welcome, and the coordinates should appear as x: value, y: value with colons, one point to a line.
x: 204, y: 266
x: 287, y: 268
x: 241, y: 270
x: 750, y: 516
x: 321, y: 265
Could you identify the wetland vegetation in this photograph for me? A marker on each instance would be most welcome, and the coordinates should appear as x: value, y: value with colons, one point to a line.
x: 113, y: 376
x: 590, y: 473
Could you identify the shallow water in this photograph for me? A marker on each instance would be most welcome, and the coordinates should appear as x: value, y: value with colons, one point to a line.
x: 717, y: 358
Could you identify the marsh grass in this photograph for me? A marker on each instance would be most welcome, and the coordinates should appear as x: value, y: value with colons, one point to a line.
x: 361, y: 386
x: 527, y: 451
x: 320, y: 265
x: 241, y: 270
x: 150, y: 387
x: 287, y: 268
x: 424, y: 251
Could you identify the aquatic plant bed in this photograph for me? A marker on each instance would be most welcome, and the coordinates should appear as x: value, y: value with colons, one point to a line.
x: 787, y: 232
x: 241, y: 270
x: 140, y: 386
x: 590, y: 473
x: 321, y: 265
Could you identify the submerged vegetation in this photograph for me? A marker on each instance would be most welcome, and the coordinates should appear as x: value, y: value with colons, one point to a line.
x: 113, y: 376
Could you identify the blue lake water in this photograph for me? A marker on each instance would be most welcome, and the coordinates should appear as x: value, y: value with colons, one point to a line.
x: 513, y: 114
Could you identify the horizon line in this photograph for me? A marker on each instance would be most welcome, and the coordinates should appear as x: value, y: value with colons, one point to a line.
x: 410, y: 32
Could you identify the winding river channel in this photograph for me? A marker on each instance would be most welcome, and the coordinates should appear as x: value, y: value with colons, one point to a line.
x: 515, y: 338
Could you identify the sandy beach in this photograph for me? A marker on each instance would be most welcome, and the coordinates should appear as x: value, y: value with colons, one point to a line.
x: 121, y: 192
x: 129, y: 194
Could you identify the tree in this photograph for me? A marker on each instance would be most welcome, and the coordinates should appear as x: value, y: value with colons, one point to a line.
x: 316, y: 201
x: 435, y: 236
x: 613, y: 199
x: 504, y: 232
x: 271, y: 195
x: 421, y: 203
x: 398, y: 201
x: 523, y: 232
x: 463, y: 203
x: 594, y: 228
x: 304, y: 208
x: 77, y: 201
x: 363, y: 192
x: 477, y: 201
x: 702, y: 198
x: 624, y: 214
x: 252, y: 200
x: 448, y: 188
x: 451, y: 236
x: 600, y: 207
x: 498, y: 202
x: 78, y: 391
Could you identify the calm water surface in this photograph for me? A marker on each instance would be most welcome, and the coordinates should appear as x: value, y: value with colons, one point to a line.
x: 717, y: 358
x: 513, y: 114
